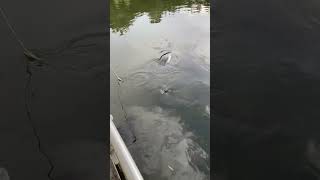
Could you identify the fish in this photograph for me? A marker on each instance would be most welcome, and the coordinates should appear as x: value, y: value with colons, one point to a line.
x: 165, y: 58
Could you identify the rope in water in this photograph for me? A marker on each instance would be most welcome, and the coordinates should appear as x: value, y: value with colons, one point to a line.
x: 26, y: 52
x: 120, y: 101
x: 12, y: 30
x: 116, y: 75
x: 27, y: 105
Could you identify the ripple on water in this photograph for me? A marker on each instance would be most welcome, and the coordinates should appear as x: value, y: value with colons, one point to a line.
x: 153, y: 75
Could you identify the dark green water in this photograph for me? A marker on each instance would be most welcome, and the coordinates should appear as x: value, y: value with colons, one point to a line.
x: 172, y: 128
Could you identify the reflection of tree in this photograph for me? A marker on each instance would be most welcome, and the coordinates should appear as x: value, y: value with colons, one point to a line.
x: 123, y: 12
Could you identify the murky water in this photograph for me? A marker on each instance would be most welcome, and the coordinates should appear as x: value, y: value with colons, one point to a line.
x: 266, y: 90
x: 162, y: 109
x: 54, y: 111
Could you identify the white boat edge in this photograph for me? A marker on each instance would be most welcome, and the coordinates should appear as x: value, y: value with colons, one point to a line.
x: 120, y: 155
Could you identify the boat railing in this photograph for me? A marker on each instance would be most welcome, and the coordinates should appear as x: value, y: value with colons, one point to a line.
x: 123, y: 156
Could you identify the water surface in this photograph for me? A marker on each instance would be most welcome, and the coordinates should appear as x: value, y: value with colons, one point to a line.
x: 266, y: 90
x: 162, y: 110
x: 64, y: 100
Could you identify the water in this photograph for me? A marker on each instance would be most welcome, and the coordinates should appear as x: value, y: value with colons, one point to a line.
x: 266, y: 90
x: 66, y: 95
x: 162, y: 109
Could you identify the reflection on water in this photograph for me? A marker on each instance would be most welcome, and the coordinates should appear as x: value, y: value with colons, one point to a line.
x: 163, y: 100
x: 124, y: 12
x: 164, y: 150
